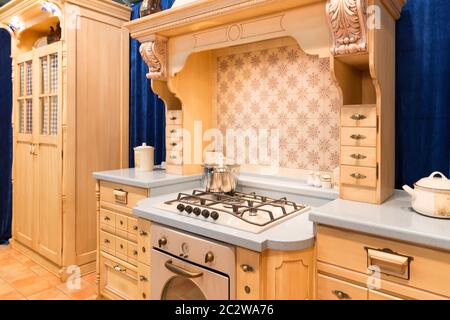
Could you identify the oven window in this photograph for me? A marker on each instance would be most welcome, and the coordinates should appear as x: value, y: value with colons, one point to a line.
x: 180, y: 288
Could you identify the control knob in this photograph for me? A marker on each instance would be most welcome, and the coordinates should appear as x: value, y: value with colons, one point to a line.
x: 197, y: 211
x: 205, y: 214
x: 188, y: 209
x: 214, y: 215
x: 181, y: 207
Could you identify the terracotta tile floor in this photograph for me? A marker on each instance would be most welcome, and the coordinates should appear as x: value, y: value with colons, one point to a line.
x: 21, y: 278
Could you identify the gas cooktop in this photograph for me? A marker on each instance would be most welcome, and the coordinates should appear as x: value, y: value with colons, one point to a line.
x: 245, y: 211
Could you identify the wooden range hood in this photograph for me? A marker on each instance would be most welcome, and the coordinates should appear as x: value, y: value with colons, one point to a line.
x: 357, y: 35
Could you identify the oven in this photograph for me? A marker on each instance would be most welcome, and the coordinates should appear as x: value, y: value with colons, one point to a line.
x: 190, y: 267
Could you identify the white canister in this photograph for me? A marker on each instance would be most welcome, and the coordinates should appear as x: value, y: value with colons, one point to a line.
x: 144, y: 158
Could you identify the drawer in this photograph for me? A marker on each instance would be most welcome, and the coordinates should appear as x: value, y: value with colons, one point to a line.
x: 329, y: 288
x: 375, y: 295
x: 358, y: 137
x: 356, y: 116
x: 174, y: 132
x: 144, y: 282
x: 122, y: 222
x: 425, y: 269
x: 248, y: 275
x: 107, y: 242
x: 132, y: 229
x: 132, y: 254
x: 175, y: 144
x: 121, y: 195
x: 359, y: 176
x: 144, y: 241
x: 174, y: 157
x: 107, y: 220
x: 118, y: 280
x: 121, y: 248
x: 174, y: 117
x: 359, y: 156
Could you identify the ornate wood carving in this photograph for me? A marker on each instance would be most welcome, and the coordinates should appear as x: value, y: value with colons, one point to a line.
x: 154, y: 54
x: 348, y: 23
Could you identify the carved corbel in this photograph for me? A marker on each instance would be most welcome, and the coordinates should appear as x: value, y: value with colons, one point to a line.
x: 154, y: 54
x: 348, y: 23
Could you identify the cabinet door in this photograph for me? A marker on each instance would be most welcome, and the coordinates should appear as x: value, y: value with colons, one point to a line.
x: 24, y: 204
x: 48, y: 153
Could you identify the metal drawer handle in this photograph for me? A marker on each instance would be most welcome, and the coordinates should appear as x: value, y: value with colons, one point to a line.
x: 182, y: 272
x: 174, y: 144
x: 120, y: 196
x: 173, y: 118
x: 118, y: 268
x: 246, y: 268
x: 107, y: 241
x: 135, y: 228
x: 341, y: 295
x: 357, y: 137
x: 121, y: 246
x: 173, y: 131
x: 107, y: 219
x: 358, y: 156
x: 358, y: 116
x: 142, y: 233
x: 358, y: 176
x: 142, y: 278
x: 121, y: 222
x: 135, y: 253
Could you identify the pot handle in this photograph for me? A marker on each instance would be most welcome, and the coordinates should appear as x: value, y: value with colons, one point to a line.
x: 434, y: 174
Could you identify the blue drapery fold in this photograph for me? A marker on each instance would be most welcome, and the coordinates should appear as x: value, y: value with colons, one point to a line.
x: 147, y: 112
x: 5, y: 136
x: 423, y: 90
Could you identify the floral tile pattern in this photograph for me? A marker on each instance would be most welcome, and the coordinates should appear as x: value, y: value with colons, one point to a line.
x: 283, y: 88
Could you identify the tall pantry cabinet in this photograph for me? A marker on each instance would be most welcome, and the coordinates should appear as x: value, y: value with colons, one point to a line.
x: 70, y: 119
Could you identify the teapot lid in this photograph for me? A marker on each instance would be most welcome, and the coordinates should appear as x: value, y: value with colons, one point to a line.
x: 436, y: 180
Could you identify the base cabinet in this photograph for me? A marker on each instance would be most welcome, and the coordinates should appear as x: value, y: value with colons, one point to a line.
x: 275, y: 275
x: 118, y: 279
x: 356, y: 266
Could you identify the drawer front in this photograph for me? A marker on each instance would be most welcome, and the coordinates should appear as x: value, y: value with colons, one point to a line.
x: 144, y: 241
x: 359, y: 117
x: 358, y: 137
x: 174, y: 144
x: 174, y: 117
x: 359, y: 176
x: 108, y: 242
x: 132, y: 254
x: 329, y: 288
x: 174, y: 132
x: 121, y: 195
x: 359, y: 156
x: 132, y: 229
x: 107, y: 220
x: 121, y: 222
x: 174, y: 157
x: 144, y: 282
x: 428, y: 268
x: 247, y: 275
x: 121, y: 248
x: 375, y: 295
x: 118, y: 280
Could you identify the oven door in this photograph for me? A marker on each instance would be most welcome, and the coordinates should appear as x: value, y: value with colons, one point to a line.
x: 175, y: 279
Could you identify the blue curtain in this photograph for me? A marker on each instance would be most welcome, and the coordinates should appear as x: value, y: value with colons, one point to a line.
x: 147, y: 112
x: 5, y: 136
x: 423, y: 90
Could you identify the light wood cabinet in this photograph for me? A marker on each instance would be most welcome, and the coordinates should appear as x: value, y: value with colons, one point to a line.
x: 384, y: 268
x: 274, y: 275
x: 70, y: 118
x: 124, y: 243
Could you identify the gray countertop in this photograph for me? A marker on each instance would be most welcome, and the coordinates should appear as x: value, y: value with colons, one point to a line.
x: 394, y: 219
x: 151, y: 179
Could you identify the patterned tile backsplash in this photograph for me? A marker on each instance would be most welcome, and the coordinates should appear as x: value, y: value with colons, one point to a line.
x: 282, y: 88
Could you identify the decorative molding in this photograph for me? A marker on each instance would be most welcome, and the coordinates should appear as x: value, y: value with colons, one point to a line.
x: 154, y: 54
x: 348, y: 23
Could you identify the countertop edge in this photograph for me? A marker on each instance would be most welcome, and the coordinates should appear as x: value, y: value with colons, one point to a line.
x: 380, y: 231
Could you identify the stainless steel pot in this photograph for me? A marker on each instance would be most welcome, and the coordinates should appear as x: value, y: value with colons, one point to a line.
x: 220, y: 179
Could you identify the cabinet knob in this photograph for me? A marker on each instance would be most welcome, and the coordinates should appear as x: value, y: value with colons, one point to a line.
x: 135, y: 253
x: 209, y: 257
x: 107, y: 218
x: 118, y: 268
x: 247, y: 290
x: 143, y: 233
x: 341, y: 295
x: 142, y: 278
x: 173, y: 118
x: 121, y: 246
x: 246, y: 268
x: 135, y: 228
x: 358, y: 116
x: 162, y: 242
x: 107, y: 241
x: 357, y: 137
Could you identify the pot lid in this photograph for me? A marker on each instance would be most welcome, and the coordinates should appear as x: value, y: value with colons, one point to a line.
x: 436, y: 180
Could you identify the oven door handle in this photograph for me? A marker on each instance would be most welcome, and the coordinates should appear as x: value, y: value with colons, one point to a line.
x: 182, y: 272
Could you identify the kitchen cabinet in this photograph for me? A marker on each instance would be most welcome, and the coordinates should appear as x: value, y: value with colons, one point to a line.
x: 356, y: 265
x: 67, y: 122
x: 123, y: 267
x: 274, y: 275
